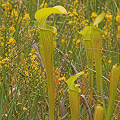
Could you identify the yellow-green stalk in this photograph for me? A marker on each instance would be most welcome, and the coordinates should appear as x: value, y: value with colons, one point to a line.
x: 93, y: 43
x: 74, y: 96
x: 99, y: 112
x: 93, y: 40
x: 96, y: 36
x: 97, y: 46
x: 46, y: 49
x: 86, y: 33
x: 115, y: 76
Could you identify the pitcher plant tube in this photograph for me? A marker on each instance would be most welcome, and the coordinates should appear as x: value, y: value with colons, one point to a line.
x: 74, y: 96
x: 114, y: 79
x: 93, y: 43
x: 46, y: 37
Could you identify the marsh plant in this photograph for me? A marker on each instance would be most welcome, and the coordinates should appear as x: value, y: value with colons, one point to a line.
x: 46, y: 36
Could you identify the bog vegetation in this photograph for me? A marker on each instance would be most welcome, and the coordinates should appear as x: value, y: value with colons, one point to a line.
x: 60, y: 60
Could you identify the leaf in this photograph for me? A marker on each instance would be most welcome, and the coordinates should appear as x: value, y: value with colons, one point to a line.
x: 86, y: 33
x: 99, y: 18
x: 71, y: 81
x: 42, y: 14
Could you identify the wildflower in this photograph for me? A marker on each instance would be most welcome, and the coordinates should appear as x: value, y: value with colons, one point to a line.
x: 94, y: 15
x: 67, y: 54
x: 109, y: 17
x: 75, y: 12
x: 26, y: 17
x: 118, y: 18
x: 119, y: 28
x: 11, y: 40
x: 73, y: 41
x: 70, y: 51
x: 14, y: 14
x: 16, y: 112
x: 26, y: 73
x: 109, y: 61
x: 43, y: 5
x: 62, y: 41
x: 2, y: 44
x: 0, y: 66
x: 19, y: 103
x: 24, y: 108
x: 70, y: 21
x: 118, y: 36
x: 76, y: 1
x: 78, y: 41
x: 12, y: 29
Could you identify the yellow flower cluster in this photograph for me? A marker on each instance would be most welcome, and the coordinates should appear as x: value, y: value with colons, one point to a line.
x: 118, y: 18
x: 6, y: 6
x: 118, y: 23
x: 43, y: 5
x: 14, y: 14
x: 26, y: 17
x: 108, y: 16
x: 93, y: 15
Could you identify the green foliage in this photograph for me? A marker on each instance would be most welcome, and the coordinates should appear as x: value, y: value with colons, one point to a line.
x: 74, y: 96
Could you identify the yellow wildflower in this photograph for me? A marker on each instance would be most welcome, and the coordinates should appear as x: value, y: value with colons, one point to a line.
x: 43, y: 5
x: 78, y: 41
x: 94, y: 15
x: 63, y: 41
x: 76, y: 1
x: 118, y: 18
x: 26, y: 17
x: 70, y: 21
x: 19, y: 103
x: 26, y: 73
x: 12, y: 29
x: 70, y: 51
x: 118, y: 36
x: 73, y: 41
x: 24, y: 108
x: 0, y: 66
x: 119, y: 28
x: 67, y: 54
x: 6, y: 6
x: 14, y: 14
x: 75, y: 12
x: 11, y: 40
x: 109, y: 61
x: 2, y: 44
x: 109, y: 17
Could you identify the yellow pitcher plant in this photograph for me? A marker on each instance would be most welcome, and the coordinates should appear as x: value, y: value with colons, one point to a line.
x: 46, y: 37
x: 74, y: 96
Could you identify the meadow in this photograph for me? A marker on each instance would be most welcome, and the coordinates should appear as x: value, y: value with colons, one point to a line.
x: 76, y: 76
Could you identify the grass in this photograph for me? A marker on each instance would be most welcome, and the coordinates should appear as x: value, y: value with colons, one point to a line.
x: 23, y: 86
